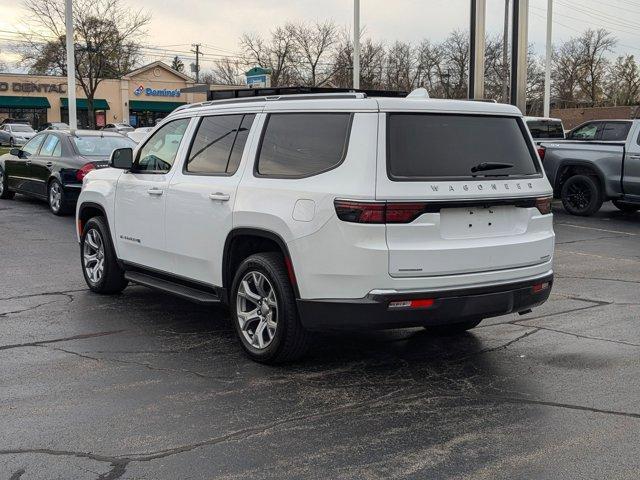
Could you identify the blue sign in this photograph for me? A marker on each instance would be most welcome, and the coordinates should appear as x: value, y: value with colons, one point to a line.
x: 152, y: 92
x: 259, y: 79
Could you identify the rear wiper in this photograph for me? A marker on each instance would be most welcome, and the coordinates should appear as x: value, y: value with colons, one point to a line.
x: 481, y: 167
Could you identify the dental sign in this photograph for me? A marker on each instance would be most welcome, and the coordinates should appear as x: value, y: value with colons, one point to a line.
x: 152, y: 92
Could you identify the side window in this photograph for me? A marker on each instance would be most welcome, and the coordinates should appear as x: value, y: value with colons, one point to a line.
x: 51, y: 147
x: 586, y: 132
x: 303, y: 144
x: 616, y: 131
x: 31, y: 148
x: 159, y: 153
x: 212, y: 145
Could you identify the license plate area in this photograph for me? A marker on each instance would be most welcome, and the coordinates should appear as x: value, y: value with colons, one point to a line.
x: 481, y: 222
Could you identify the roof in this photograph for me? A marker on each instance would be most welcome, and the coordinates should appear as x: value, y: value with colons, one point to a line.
x: 86, y: 133
x: 158, y: 64
x: 542, y: 119
x: 352, y: 102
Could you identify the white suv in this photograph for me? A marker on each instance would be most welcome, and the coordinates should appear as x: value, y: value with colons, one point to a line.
x: 315, y: 212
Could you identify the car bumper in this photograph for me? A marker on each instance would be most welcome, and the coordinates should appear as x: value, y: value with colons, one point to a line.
x: 449, y: 307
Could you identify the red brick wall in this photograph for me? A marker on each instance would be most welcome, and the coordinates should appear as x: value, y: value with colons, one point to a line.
x: 572, y: 117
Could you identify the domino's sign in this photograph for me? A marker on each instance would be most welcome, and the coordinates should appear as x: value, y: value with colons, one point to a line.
x: 153, y: 92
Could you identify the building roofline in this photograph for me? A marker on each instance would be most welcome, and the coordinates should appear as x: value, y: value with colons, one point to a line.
x: 159, y: 64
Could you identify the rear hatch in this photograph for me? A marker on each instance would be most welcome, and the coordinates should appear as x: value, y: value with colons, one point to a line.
x: 464, y: 194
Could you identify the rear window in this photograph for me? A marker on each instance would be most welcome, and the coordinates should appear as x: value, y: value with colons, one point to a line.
x: 616, y: 131
x: 427, y: 146
x: 302, y: 144
x: 545, y: 129
x: 95, y: 146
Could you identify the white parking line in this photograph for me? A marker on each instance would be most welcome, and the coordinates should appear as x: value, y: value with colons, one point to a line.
x: 598, y: 229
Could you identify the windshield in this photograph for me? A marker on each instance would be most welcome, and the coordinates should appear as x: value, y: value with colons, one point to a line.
x: 441, y: 146
x: 95, y: 146
x: 22, y: 128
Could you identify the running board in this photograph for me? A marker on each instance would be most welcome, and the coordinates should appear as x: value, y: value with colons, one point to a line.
x: 189, y: 293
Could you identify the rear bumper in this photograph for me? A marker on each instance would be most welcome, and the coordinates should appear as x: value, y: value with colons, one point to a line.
x: 452, y: 306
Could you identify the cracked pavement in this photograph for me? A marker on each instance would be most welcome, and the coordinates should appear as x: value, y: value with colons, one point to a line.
x: 146, y: 386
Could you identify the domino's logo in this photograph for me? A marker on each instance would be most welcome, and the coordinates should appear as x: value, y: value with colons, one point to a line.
x: 139, y: 90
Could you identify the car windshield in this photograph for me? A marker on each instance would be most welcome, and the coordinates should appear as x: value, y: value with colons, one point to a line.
x: 96, y: 146
x: 22, y: 128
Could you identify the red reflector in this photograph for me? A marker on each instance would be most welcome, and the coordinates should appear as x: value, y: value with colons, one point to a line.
x: 82, y: 171
x: 539, y: 287
x: 79, y: 226
x: 541, y: 152
x: 421, y: 303
x: 543, y: 204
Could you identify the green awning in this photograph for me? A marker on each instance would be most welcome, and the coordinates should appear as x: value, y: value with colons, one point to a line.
x: 81, y: 103
x: 7, y: 101
x: 144, y: 105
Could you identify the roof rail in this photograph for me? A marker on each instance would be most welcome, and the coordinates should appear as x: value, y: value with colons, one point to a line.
x: 272, y: 98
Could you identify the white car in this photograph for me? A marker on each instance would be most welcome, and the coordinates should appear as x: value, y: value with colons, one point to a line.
x: 315, y: 212
x: 16, y: 134
x: 138, y: 134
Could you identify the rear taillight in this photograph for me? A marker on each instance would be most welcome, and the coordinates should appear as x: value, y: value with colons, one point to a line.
x: 543, y: 204
x: 378, y: 212
x: 540, y: 287
x: 360, y: 212
x: 541, y: 151
x: 82, y: 171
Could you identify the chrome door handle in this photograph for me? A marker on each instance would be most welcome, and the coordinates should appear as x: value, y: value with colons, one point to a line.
x: 219, y: 196
x: 49, y: 164
x: 155, y: 191
x: 634, y: 157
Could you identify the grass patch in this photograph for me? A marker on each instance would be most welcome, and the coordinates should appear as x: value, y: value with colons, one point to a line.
x: 4, y: 150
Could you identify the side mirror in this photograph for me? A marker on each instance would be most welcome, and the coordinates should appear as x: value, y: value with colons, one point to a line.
x: 121, y: 158
x: 16, y: 152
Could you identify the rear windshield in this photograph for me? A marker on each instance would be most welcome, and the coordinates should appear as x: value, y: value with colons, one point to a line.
x: 545, y: 129
x: 427, y: 146
x: 21, y: 128
x: 95, y: 146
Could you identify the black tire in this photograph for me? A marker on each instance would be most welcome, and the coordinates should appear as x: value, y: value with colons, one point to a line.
x: 62, y: 207
x: 112, y: 279
x: 626, y: 207
x: 5, y: 193
x: 453, y: 328
x: 582, y: 195
x: 290, y: 340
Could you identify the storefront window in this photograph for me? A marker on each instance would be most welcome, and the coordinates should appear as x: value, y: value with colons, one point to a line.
x: 35, y: 116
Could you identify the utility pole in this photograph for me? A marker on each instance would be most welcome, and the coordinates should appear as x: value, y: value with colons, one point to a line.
x: 356, y: 44
x: 547, y: 66
x: 519, y: 47
x: 478, y: 10
x: 197, y: 52
x: 505, y: 54
x: 71, y: 66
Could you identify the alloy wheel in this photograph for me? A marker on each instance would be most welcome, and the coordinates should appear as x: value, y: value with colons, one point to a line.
x: 579, y: 195
x: 55, y: 196
x: 93, y: 256
x: 257, y: 310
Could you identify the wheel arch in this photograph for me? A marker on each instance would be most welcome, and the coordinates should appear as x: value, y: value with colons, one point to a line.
x: 242, y: 242
x: 577, y: 167
x: 88, y: 210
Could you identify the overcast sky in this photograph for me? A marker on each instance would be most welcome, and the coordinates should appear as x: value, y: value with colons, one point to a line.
x: 218, y: 24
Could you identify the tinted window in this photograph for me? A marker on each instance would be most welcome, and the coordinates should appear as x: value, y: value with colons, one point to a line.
x: 51, y: 147
x: 545, y: 129
x: 616, y: 131
x: 22, y: 128
x: 585, y: 132
x: 32, y: 145
x: 433, y: 145
x: 159, y: 153
x: 214, y: 143
x: 302, y: 144
x: 96, y: 146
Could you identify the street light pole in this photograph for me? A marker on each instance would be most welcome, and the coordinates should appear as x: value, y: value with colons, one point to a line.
x: 71, y: 66
x: 547, y: 66
x: 356, y: 43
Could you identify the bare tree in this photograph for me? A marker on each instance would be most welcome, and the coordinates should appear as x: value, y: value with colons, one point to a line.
x: 453, y: 72
x: 429, y: 57
x: 595, y: 44
x: 106, y: 35
x: 226, y: 71
x: 566, y: 71
x: 623, y: 85
x: 313, y: 44
x: 277, y: 54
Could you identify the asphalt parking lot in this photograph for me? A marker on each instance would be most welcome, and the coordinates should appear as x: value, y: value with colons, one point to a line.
x: 146, y: 386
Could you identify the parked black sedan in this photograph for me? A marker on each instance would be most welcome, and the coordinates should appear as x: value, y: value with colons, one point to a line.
x: 52, y: 164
